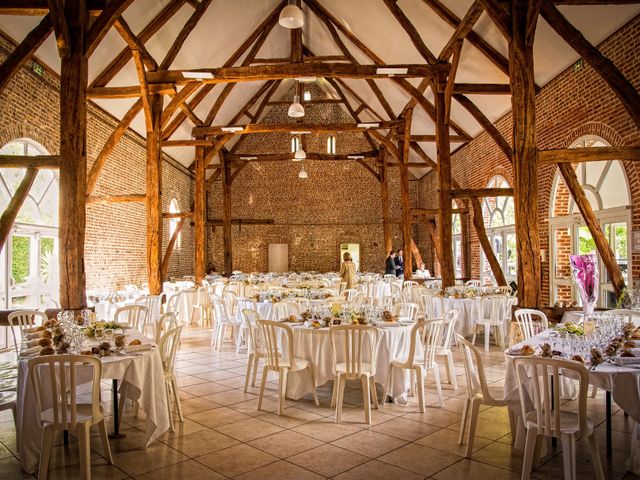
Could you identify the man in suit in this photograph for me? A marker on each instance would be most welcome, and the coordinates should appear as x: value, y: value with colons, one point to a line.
x: 399, y: 260
x: 390, y: 268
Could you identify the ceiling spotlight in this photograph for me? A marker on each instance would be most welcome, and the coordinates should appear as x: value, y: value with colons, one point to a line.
x: 355, y: 157
x: 369, y: 125
x: 391, y: 71
x: 232, y: 129
x: 303, y: 173
x: 198, y: 75
x: 291, y: 16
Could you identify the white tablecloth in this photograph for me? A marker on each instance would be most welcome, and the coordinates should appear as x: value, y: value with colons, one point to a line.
x: 470, y: 311
x: 622, y: 382
x: 314, y: 345
x: 188, y: 299
x: 141, y: 378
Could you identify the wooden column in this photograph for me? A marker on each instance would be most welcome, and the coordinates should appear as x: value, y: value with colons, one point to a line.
x: 431, y: 228
x: 604, y: 249
x: 481, y: 232
x: 154, y: 196
x: 73, y: 159
x: 525, y: 159
x: 199, y: 215
x: 226, y: 215
x: 405, y: 196
x: 384, y: 196
x: 464, y: 237
x: 444, y: 174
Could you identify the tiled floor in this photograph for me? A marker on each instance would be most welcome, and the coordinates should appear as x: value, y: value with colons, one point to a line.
x: 224, y: 436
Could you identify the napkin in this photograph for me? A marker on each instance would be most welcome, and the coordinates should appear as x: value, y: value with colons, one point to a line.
x: 621, y: 361
x: 138, y: 348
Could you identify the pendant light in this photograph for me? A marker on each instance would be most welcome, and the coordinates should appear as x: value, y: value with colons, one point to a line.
x: 296, y: 110
x: 291, y: 16
x: 303, y: 173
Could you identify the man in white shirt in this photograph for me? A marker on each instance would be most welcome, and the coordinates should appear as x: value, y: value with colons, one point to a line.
x: 422, y: 272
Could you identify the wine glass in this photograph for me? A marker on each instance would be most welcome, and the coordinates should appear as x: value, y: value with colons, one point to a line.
x: 99, y: 334
x: 108, y: 334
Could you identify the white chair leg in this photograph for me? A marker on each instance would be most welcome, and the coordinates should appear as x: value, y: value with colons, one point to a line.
x: 340, y: 399
x: 596, y: 459
x: 366, y: 398
x: 247, y: 375
x: 569, y: 456
x: 594, y: 391
x: 463, y: 422
x: 45, y: 452
x: 283, y: 389
x: 168, y: 395
x: 84, y: 438
x: 256, y: 362
x: 104, y: 438
x: 176, y: 395
x: 263, y: 382
x: 374, y: 393
x: 436, y: 373
x: 487, y: 335
x: 529, y: 452
x: 475, y: 410
x: 313, y: 383
x: 453, y: 380
x: 334, y: 392
x: 419, y: 375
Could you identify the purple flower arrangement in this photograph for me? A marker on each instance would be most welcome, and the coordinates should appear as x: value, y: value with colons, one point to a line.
x: 585, y: 274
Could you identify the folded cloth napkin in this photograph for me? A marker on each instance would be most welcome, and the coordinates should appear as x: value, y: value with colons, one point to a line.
x: 138, y: 348
x: 622, y: 361
x: 515, y: 350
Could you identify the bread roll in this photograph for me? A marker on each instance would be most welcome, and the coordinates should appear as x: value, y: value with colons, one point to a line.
x: 527, y: 350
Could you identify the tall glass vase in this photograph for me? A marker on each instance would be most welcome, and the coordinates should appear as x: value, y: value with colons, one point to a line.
x: 585, y: 275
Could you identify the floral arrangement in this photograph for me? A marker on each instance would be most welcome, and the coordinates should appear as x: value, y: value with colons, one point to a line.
x: 585, y: 274
x: 90, y: 329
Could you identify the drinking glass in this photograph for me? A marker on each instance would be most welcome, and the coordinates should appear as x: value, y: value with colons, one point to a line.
x: 99, y: 334
x: 108, y: 334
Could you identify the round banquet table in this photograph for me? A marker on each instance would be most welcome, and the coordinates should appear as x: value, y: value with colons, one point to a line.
x: 470, y: 309
x: 141, y: 378
x: 314, y: 345
x: 622, y: 381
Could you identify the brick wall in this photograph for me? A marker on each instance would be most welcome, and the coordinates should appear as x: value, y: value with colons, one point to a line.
x: 572, y: 105
x: 338, y: 203
x: 115, y: 246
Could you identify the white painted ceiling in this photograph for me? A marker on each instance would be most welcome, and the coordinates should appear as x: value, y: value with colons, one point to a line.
x: 227, y: 23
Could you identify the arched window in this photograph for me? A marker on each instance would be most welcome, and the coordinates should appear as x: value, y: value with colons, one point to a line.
x: 174, y: 207
x: 29, y: 271
x: 607, y: 189
x: 499, y: 220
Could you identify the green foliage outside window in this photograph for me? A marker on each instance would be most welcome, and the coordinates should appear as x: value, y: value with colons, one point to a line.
x: 21, y: 252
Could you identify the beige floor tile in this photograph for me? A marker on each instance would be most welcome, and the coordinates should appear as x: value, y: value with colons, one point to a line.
x: 201, y: 442
x: 405, y: 429
x: 141, y: 460
x: 10, y: 470
x: 286, y: 443
x: 369, y: 443
x: 328, y: 460
x: 420, y: 459
x: 435, y: 416
x: 250, y: 429
x: 326, y: 430
x: 500, y: 455
x: 236, y: 460
x: 230, y: 397
x: 190, y: 470
x: 292, y: 417
x: 375, y: 470
x: 217, y: 417
x: 206, y: 388
x: 447, y: 441
x: 281, y: 471
x: 197, y: 404
x: 472, y: 469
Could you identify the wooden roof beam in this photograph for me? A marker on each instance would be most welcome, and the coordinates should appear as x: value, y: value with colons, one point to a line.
x: 411, y: 31
x: 103, y: 23
x: 294, y: 127
x: 462, y: 30
x: 130, y: 92
x: 41, y: 7
x: 30, y: 161
x: 578, y: 155
x: 481, y: 192
x: 281, y: 157
x: 187, y: 28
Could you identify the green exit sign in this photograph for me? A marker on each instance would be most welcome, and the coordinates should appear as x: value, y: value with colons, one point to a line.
x: 38, y: 69
x: 578, y: 65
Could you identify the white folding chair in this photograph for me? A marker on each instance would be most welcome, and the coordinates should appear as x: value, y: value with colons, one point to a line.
x: 270, y: 337
x: 167, y: 321
x: 473, y: 283
x: 504, y: 290
x: 354, y: 360
x: 221, y: 320
x: 202, y: 306
x: 527, y: 323
x: 478, y: 392
x: 55, y: 377
x: 168, y: 348
x: 493, y: 314
x: 430, y: 332
x: 21, y: 319
x: 444, y: 350
x: 539, y: 389
x: 406, y: 311
x: 133, y: 315
x: 256, y: 351
x: 173, y: 305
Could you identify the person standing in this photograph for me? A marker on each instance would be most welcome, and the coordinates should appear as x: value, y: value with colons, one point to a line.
x: 399, y: 261
x: 390, y: 268
x: 348, y: 270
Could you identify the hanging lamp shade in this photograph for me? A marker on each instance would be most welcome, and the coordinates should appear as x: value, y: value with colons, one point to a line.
x: 303, y: 173
x: 299, y: 155
x: 296, y: 110
x: 291, y: 17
